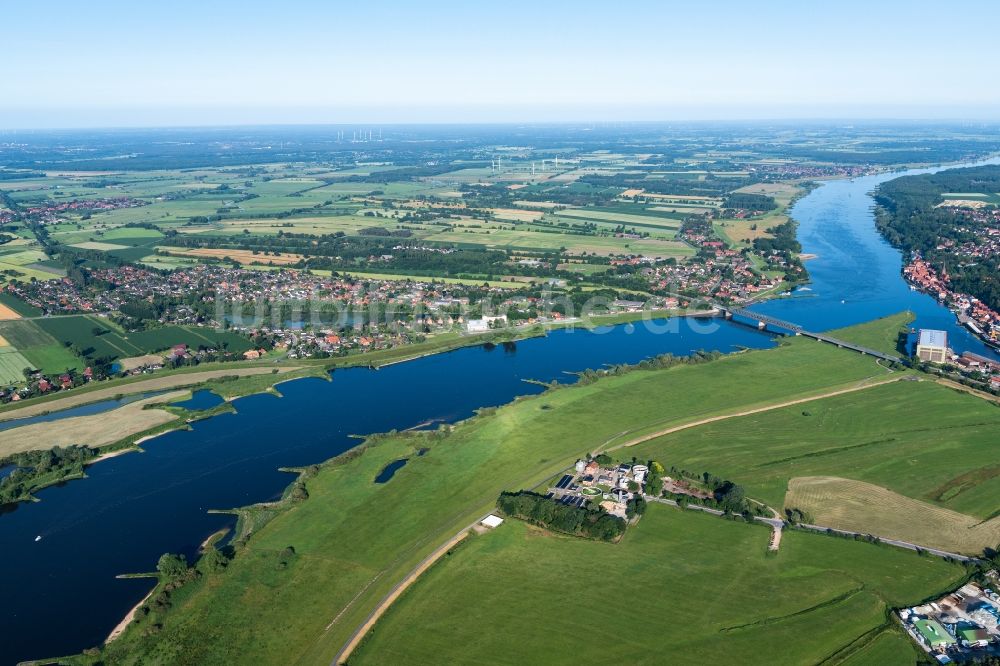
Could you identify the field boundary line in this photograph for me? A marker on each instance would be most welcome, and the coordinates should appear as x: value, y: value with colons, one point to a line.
x: 968, y: 389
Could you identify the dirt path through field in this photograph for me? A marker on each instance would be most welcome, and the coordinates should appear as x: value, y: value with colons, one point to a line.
x: 397, y: 590
x: 748, y: 412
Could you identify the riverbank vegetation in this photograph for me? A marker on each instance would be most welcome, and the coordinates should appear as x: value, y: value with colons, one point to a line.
x: 34, y: 470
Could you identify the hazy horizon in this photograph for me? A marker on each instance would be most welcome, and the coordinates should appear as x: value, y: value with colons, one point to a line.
x: 119, y: 64
x: 133, y: 119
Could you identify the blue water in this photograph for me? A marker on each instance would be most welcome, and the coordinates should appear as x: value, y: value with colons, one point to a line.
x: 390, y: 470
x: 6, y: 471
x: 83, y: 410
x: 61, y: 594
x: 856, y: 275
x: 201, y: 399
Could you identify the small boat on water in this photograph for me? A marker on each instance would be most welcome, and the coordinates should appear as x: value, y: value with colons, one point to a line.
x: 38, y: 538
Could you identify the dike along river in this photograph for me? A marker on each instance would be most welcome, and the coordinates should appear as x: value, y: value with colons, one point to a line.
x: 61, y: 594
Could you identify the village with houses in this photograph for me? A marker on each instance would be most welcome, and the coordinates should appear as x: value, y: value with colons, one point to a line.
x: 972, y: 313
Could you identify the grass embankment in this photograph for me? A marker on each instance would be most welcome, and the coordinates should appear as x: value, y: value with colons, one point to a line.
x: 887, y: 334
x: 354, y: 540
x: 679, y: 585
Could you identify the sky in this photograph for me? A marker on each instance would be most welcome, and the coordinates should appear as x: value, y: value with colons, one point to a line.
x: 107, y: 63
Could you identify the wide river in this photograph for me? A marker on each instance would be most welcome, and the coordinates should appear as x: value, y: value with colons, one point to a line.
x: 61, y: 594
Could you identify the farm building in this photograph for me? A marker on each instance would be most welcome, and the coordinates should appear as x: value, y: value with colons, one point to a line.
x: 974, y: 637
x: 933, y: 633
x: 491, y: 521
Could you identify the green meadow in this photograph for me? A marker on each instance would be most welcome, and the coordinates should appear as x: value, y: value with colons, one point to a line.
x: 679, y: 586
x: 918, y: 439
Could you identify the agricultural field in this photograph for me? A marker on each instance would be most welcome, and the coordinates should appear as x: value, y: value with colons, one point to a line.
x: 707, y: 585
x: 975, y: 199
x: 658, y: 221
x: 95, y: 430
x: 37, y: 349
x: 914, y: 439
x: 547, y: 206
x: 12, y: 364
x: 241, y: 256
x: 317, y: 226
x: 22, y: 262
x: 97, y: 337
x: 858, y: 506
x: 572, y: 244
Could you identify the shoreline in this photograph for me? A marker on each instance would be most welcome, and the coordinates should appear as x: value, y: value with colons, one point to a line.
x: 127, y: 620
x: 117, y: 452
x: 978, y: 335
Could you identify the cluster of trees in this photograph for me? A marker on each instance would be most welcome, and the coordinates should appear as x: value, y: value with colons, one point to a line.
x: 795, y: 516
x: 35, y: 469
x: 591, y: 522
x: 20, y: 175
x: 654, y: 480
x: 727, y: 496
x: 749, y: 201
x: 635, y: 507
x: 385, y: 233
x: 784, y: 240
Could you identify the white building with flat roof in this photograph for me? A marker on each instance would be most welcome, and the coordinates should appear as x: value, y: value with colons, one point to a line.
x: 491, y: 521
x: 932, y: 346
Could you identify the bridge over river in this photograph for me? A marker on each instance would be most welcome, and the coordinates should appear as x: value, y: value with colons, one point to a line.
x: 763, y: 321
